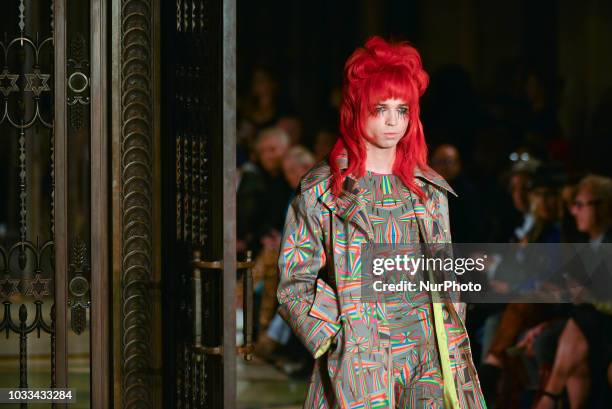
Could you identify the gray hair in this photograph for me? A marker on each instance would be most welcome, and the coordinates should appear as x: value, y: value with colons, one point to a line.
x: 601, y: 189
x: 301, y: 156
x: 272, y: 132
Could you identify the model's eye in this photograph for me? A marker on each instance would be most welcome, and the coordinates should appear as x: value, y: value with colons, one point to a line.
x: 380, y: 110
x: 402, y: 111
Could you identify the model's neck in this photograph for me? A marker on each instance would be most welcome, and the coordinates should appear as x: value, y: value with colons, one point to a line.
x: 380, y: 160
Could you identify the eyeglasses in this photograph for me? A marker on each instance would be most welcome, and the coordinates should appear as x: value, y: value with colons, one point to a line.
x: 580, y: 204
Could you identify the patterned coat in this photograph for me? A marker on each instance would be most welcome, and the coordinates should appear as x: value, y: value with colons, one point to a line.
x: 318, y: 293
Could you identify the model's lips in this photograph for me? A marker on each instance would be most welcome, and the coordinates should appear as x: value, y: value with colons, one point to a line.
x: 391, y: 133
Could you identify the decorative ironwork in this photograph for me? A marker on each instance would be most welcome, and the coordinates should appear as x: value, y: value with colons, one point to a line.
x: 9, y: 287
x: 78, y: 81
x: 38, y: 287
x: 179, y: 198
x: 21, y: 16
x: 201, y: 17
x: 191, y: 158
x: 136, y: 176
x: 23, y: 228
x: 186, y: 187
x: 78, y: 287
x: 52, y: 22
x: 26, y: 114
x: 23, y: 329
x: 8, y: 82
x: 202, y: 188
x: 36, y: 82
x: 186, y: 15
x: 190, y: 125
x: 179, y: 16
x: 39, y: 255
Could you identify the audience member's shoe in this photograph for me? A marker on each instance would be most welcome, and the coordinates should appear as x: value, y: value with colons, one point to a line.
x: 489, y: 379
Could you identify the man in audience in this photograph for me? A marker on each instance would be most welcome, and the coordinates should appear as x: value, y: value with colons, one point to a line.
x: 464, y: 209
x: 262, y: 190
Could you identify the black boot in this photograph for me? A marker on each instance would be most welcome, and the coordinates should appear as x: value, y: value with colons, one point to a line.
x: 489, y: 378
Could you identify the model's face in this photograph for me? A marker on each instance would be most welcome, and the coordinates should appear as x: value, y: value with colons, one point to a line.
x: 387, y: 125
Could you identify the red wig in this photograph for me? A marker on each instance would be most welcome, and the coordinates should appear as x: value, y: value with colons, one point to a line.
x: 372, y: 74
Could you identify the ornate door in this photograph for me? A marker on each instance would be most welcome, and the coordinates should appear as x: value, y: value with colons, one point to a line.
x: 52, y: 193
x: 199, y: 188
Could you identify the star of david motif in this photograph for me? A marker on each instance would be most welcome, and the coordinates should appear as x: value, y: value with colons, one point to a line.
x: 8, y: 82
x: 8, y: 286
x: 37, y: 82
x: 38, y: 287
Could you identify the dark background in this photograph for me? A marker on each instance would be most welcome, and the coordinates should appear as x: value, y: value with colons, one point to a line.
x: 478, y: 54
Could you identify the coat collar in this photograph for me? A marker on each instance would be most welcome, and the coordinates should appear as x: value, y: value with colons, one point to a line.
x: 350, y: 204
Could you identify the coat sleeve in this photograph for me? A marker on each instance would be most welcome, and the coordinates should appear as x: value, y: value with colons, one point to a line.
x: 306, y: 302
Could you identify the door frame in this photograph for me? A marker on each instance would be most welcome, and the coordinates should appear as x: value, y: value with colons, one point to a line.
x: 228, y: 70
x: 99, y: 318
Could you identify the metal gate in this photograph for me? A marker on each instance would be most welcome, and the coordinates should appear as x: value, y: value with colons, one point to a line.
x: 50, y: 211
x: 198, y: 94
x: 134, y: 98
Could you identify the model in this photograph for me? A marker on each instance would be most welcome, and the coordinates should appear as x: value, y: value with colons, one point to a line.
x: 375, y: 187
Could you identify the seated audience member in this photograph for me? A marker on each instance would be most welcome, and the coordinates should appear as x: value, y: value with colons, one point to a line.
x: 520, y: 185
x: 464, y: 209
x: 569, y: 230
x: 262, y: 190
x: 544, y: 201
x: 583, y: 357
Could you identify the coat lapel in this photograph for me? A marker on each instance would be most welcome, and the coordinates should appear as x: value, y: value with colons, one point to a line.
x: 349, y: 206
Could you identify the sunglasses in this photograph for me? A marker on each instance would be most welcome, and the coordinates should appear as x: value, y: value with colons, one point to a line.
x: 580, y: 204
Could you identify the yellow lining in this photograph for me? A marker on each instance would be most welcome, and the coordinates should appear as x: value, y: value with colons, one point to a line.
x: 451, y: 401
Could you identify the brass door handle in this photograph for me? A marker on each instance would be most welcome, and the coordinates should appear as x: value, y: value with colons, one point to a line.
x: 198, y: 265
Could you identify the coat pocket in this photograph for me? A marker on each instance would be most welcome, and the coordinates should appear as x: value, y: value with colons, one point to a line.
x: 325, y: 304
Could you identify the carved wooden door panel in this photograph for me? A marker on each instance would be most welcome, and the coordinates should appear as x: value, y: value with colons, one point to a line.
x: 51, y: 197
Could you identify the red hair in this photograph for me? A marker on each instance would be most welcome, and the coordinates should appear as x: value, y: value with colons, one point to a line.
x: 380, y: 71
